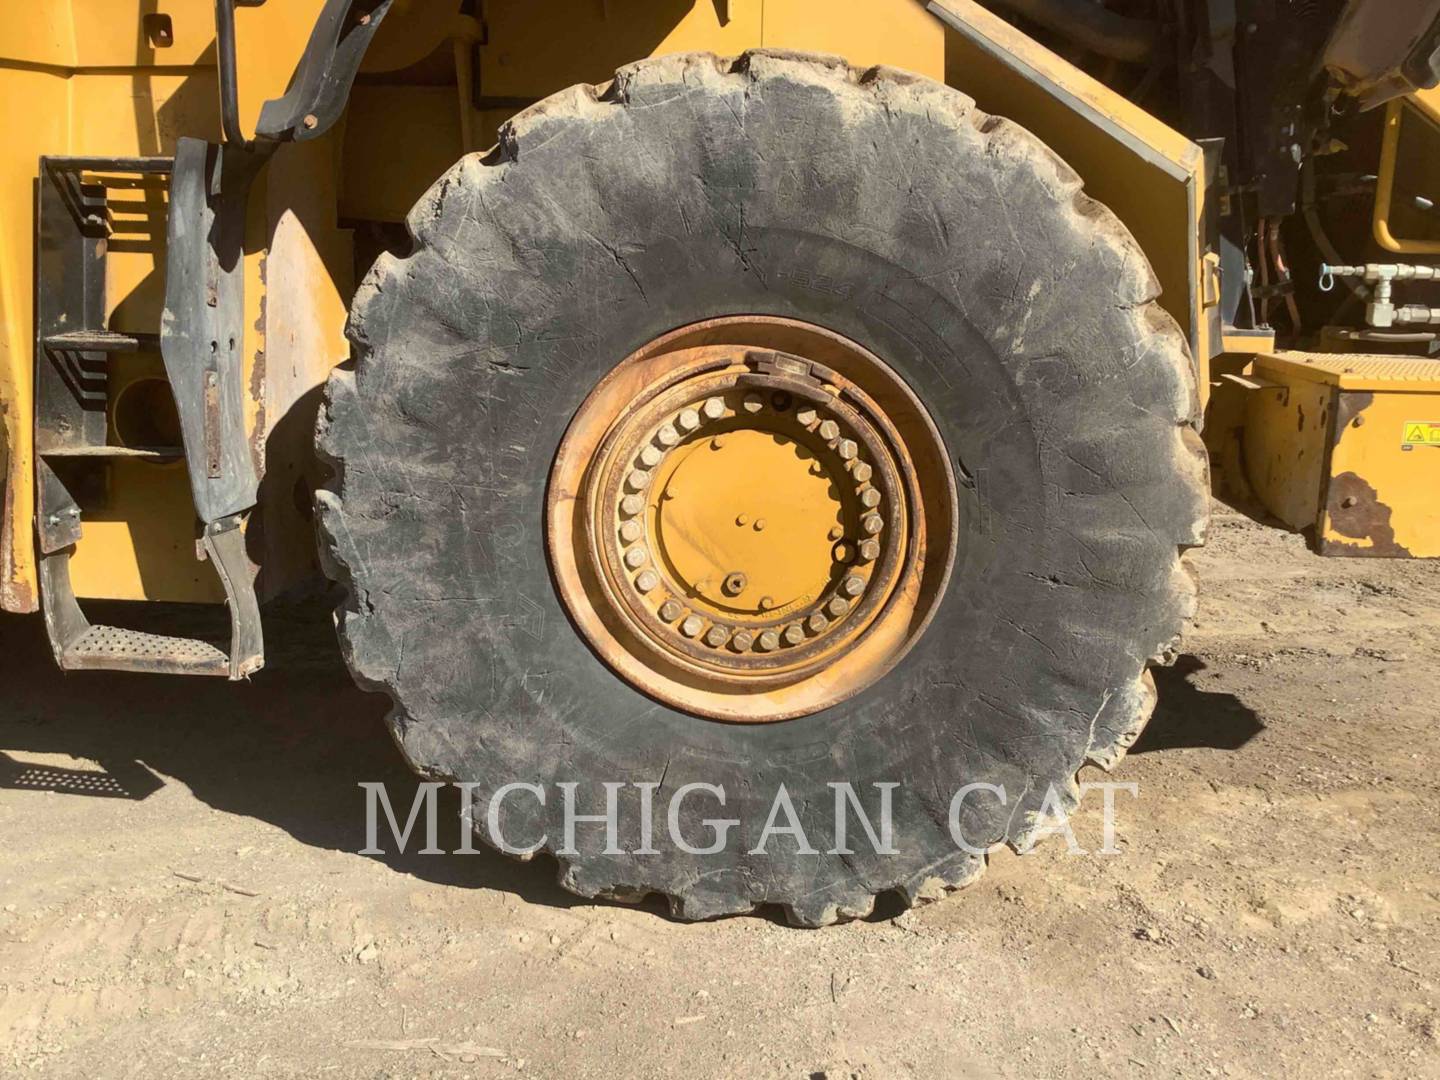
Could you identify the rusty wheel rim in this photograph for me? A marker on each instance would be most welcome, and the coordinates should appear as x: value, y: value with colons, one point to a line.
x: 751, y: 519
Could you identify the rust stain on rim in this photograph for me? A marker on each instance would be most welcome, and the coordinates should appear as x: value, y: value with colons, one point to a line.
x: 751, y: 519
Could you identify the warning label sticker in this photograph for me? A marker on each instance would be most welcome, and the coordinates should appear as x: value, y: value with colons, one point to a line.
x: 1421, y: 433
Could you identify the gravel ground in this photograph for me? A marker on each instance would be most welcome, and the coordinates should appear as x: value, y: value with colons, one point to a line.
x: 180, y: 893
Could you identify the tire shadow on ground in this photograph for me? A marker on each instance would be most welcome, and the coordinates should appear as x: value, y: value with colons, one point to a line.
x: 291, y: 746
x: 1189, y: 717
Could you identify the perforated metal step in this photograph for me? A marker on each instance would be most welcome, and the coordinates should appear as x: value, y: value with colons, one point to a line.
x: 106, y: 341
x: 114, y: 648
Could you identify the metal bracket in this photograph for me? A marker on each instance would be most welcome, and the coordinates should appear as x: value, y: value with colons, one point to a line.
x: 202, y: 328
x: 321, y: 84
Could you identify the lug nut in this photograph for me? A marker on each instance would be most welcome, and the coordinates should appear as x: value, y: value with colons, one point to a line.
x: 688, y: 420
x: 847, y: 449
x: 838, y: 606
x: 667, y: 436
x: 691, y: 626
x: 742, y: 641
x: 794, y: 634
x: 829, y: 429
x: 817, y: 622
x: 861, y: 471
x: 769, y: 641
x: 870, y: 498
x: 635, y: 558
x: 647, y: 581
x: 806, y: 416
x: 714, y: 408
x: 853, y: 585
x: 670, y: 610
x: 650, y: 456
x: 637, y: 480
x: 631, y: 531
x: 869, y: 550
x: 872, y: 524
x: 632, y: 505
x: 716, y: 636
x: 754, y: 403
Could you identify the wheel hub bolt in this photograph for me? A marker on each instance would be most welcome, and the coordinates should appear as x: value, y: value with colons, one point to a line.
x: 742, y: 641
x: 869, y: 551
x: 637, y: 480
x: 691, y: 626
x: 794, y: 634
x: 806, y: 416
x: 870, y: 498
x: 838, y: 606
x: 769, y: 641
x: 631, y: 531
x: 647, y: 581
x: 714, y: 408
x: 632, y: 505
x: 667, y: 436
x: 650, y: 456
x: 853, y: 585
x: 716, y: 636
x: 753, y: 403
x: 818, y: 622
x: 688, y: 420
x: 829, y: 429
x: 847, y: 449
x: 670, y: 610
x: 635, y: 558
x: 861, y: 471
x: 871, y: 523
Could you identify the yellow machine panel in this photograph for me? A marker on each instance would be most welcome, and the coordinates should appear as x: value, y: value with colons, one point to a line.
x: 1349, y: 446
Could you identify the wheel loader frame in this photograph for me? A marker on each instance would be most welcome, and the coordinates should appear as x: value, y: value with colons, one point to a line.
x: 254, y: 242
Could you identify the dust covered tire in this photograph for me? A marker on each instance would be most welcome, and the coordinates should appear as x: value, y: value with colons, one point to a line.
x: 876, y: 204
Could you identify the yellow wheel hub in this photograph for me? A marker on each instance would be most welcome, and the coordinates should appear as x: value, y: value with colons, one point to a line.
x: 744, y: 521
x: 747, y: 532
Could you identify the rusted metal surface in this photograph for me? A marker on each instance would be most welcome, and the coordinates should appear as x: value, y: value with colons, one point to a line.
x: 1355, y: 510
x: 751, y: 518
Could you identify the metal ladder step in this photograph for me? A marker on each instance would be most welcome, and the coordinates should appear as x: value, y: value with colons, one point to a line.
x: 114, y: 648
x: 140, y: 453
x: 107, y: 341
x: 112, y: 165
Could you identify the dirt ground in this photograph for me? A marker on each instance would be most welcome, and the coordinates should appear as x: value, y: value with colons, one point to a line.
x: 180, y: 893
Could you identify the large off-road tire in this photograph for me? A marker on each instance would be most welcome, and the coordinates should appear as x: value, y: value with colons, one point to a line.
x: 882, y: 207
